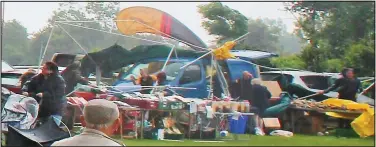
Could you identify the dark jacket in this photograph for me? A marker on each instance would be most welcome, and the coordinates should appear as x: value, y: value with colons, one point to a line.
x: 53, y: 89
x: 346, y: 88
x: 245, y: 87
x: 72, y: 78
x: 260, y: 97
x: 148, y: 81
x: 26, y: 77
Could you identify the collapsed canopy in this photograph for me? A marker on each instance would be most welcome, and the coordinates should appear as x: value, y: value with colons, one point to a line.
x: 116, y: 57
x: 140, y: 19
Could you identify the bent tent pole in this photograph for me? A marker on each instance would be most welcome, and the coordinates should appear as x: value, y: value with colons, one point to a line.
x: 365, y: 90
x: 222, y: 79
x: 45, y: 48
x: 212, y: 50
x: 168, y: 58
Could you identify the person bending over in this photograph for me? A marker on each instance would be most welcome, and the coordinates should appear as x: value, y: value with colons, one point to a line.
x: 260, y: 96
x: 27, y: 76
x: 72, y: 76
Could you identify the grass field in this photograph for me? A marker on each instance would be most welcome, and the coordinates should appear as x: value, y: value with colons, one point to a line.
x: 298, y: 140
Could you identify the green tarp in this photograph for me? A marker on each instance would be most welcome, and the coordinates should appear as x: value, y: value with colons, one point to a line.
x: 116, y: 57
x: 282, y: 106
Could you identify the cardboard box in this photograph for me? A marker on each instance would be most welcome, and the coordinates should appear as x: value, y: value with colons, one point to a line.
x: 271, y: 124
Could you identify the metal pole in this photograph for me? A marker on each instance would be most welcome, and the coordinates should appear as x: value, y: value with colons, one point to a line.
x: 45, y: 49
x: 41, y: 52
x: 168, y: 58
x: 98, y: 75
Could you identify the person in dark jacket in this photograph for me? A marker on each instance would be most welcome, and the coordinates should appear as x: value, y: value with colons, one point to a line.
x: 260, y: 96
x: 27, y: 76
x: 347, y: 87
x: 48, y: 88
x: 245, y: 86
x: 144, y: 80
x: 161, y: 79
x: 72, y: 76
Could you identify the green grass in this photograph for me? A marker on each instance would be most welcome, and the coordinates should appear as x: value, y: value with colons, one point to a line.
x: 298, y: 140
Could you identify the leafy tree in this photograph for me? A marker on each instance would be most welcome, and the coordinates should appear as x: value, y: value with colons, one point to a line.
x: 15, y: 42
x: 264, y: 34
x: 222, y: 21
x: 333, y: 29
x: 361, y: 55
x: 333, y: 65
x: 228, y: 24
x: 290, y: 44
x: 292, y: 61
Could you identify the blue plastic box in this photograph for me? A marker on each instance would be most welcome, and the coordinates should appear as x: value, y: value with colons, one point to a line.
x: 238, y: 126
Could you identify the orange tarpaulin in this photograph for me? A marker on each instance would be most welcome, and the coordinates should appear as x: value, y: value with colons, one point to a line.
x: 139, y: 19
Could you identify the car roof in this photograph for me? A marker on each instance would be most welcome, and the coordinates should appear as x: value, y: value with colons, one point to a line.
x: 297, y: 73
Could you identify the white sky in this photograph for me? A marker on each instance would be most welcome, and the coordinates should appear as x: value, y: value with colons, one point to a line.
x: 34, y: 15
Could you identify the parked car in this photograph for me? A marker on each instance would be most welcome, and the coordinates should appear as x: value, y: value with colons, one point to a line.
x: 309, y: 82
x: 10, y: 77
x: 194, y: 75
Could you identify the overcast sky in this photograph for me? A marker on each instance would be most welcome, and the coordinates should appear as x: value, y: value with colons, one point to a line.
x: 34, y: 15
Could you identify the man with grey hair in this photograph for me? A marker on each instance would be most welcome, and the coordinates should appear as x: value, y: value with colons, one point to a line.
x: 260, y: 102
x: 100, y: 119
x: 244, y: 86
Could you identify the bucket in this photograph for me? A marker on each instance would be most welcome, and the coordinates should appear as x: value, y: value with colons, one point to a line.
x: 238, y: 126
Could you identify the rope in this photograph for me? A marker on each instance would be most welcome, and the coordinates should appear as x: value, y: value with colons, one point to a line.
x: 142, y: 24
x: 70, y: 135
x: 82, y: 48
x: 116, y: 33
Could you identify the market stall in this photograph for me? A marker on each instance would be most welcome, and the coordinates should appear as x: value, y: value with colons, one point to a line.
x: 305, y: 113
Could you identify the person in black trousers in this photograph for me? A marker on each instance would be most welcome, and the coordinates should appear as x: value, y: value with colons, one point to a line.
x: 347, y: 86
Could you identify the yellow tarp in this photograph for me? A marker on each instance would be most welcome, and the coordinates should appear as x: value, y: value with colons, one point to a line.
x: 363, y: 125
x: 349, y: 105
x: 223, y: 52
x: 350, y: 116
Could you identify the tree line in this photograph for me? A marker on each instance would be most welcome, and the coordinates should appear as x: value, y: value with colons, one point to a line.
x: 333, y: 35
x: 328, y: 35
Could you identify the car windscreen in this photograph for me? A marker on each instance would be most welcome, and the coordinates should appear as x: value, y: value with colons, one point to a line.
x: 316, y: 82
x: 6, y: 67
x: 172, y: 69
x: 10, y: 79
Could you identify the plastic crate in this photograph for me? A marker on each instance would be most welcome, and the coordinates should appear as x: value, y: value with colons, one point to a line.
x: 238, y: 126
